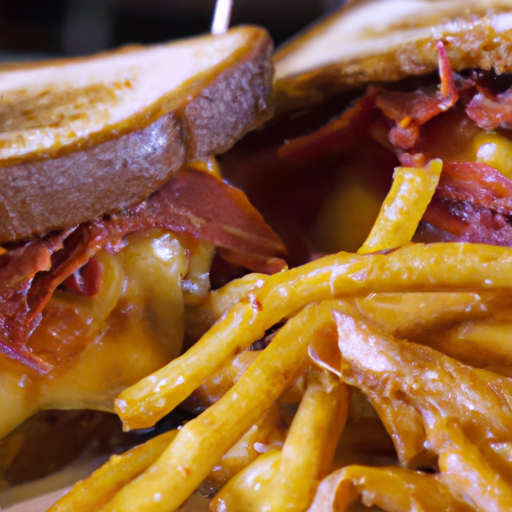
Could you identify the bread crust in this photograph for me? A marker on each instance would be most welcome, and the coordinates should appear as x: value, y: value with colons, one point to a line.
x: 476, y: 34
x: 57, y: 191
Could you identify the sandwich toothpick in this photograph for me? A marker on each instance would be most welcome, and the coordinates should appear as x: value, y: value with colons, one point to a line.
x: 221, y: 16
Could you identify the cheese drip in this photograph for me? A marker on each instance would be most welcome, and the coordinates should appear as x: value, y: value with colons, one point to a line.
x: 103, y: 344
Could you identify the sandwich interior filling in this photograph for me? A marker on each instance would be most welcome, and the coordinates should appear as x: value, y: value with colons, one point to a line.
x: 337, y: 170
x: 90, y: 310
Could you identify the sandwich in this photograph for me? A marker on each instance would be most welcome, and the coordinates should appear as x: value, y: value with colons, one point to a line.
x: 385, y: 59
x: 113, y: 209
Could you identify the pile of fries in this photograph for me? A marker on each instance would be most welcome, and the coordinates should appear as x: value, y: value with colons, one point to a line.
x: 386, y: 382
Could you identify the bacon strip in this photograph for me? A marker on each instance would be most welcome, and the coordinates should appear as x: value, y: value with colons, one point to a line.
x: 192, y: 203
x: 477, y: 183
x: 489, y: 111
x: 17, y: 270
x: 410, y: 110
x: 439, y: 214
x: 465, y: 222
x: 198, y: 204
x: 336, y: 136
x: 86, y: 280
x: 472, y: 203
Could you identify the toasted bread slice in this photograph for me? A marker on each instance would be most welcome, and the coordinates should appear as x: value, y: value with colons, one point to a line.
x: 387, y: 40
x: 83, y: 137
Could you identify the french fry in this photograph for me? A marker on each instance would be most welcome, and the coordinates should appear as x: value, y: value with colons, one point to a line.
x: 473, y: 328
x: 480, y: 342
x: 201, y: 317
x: 91, y: 494
x: 417, y: 267
x: 404, y: 206
x: 417, y: 315
x: 390, y: 488
x: 383, y: 366
x: 246, y: 491
x: 310, y: 444
x: 216, y: 385
x: 413, y: 386
x: 202, y: 442
x: 466, y: 470
x: 267, y: 434
x: 425, y: 398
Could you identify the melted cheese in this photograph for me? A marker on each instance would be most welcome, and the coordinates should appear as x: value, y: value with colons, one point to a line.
x: 102, y: 345
x: 494, y: 150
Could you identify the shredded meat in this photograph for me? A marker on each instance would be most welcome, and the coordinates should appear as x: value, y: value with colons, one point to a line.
x: 489, y: 111
x: 473, y: 201
x: 411, y: 110
x: 191, y: 203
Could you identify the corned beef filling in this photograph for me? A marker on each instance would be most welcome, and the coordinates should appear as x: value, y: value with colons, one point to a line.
x: 192, y: 203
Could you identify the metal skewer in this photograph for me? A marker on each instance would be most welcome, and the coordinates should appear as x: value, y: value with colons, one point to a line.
x: 221, y: 16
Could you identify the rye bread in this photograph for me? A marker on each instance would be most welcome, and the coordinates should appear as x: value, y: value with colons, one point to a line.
x: 77, y: 178
x: 370, y: 41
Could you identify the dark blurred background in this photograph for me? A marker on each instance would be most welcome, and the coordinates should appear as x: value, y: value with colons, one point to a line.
x: 32, y: 28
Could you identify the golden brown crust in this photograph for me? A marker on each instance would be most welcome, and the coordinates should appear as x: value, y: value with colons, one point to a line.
x: 208, y: 116
x: 476, y: 33
x: 235, y: 102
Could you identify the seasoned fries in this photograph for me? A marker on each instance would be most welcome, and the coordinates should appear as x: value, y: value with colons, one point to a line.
x: 413, y: 268
x: 97, y: 490
x: 309, y: 448
x: 435, y: 270
x: 404, y: 207
x: 396, y: 489
x: 247, y: 491
x: 197, y: 448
